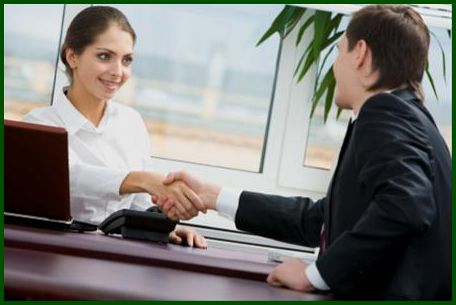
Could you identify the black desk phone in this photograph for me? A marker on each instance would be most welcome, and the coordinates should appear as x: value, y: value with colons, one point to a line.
x: 151, y: 224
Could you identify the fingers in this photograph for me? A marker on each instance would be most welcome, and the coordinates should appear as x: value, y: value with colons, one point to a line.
x: 194, y: 199
x: 174, y: 238
x: 273, y: 280
x: 200, y: 241
x: 190, y: 238
x: 185, y: 209
x: 175, y: 176
x: 169, y: 179
x: 185, y: 206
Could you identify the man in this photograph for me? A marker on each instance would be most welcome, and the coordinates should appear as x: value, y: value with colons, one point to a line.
x: 384, y: 227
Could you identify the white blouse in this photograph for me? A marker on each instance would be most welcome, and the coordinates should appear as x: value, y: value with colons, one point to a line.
x: 100, y: 157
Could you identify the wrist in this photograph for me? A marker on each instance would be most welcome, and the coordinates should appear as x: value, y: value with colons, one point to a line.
x: 213, y: 191
x: 307, y: 284
x: 140, y: 182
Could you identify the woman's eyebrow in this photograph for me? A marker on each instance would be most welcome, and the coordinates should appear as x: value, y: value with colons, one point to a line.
x: 112, y: 52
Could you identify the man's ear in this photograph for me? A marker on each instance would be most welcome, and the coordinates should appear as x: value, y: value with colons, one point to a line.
x: 363, y: 55
x: 70, y: 56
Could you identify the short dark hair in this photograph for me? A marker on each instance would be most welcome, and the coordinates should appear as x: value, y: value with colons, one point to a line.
x: 399, y: 41
x: 87, y: 25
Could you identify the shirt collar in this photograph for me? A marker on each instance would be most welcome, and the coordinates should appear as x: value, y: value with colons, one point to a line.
x: 74, y: 120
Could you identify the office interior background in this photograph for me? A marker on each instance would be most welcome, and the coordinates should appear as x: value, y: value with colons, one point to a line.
x: 214, y: 103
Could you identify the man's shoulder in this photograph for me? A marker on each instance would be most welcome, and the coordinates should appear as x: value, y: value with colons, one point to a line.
x: 385, y: 103
x: 386, y: 108
x: 386, y: 118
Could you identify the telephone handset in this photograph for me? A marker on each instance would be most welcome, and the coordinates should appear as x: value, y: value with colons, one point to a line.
x: 151, y: 224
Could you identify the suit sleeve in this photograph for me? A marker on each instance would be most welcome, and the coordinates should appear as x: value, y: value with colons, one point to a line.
x: 294, y: 220
x: 394, y: 164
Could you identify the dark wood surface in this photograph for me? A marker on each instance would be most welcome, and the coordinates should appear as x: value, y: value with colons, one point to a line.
x: 46, y: 264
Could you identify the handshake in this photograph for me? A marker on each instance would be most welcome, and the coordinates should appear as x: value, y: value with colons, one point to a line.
x: 182, y: 196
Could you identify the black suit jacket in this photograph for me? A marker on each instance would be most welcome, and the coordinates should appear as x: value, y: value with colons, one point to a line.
x: 387, y: 212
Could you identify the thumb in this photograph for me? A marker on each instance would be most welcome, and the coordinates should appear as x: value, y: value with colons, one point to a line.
x: 169, y: 179
x: 174, y: 238
x: 273, y: 280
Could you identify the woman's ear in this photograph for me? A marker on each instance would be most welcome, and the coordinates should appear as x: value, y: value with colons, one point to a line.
x: 70, y: 58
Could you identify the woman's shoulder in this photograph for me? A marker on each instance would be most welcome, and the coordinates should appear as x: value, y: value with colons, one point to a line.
x: 43, y: 116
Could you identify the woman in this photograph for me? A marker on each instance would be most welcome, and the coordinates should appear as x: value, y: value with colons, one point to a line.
x: 109, y: 151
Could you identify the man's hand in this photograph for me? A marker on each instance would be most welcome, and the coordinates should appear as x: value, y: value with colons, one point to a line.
x: 206, y: 192
x: 186, y: 203
x: 291, y: 274
x: 186, y: 236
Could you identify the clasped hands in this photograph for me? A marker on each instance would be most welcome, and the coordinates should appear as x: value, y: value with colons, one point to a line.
x: 187, y: 198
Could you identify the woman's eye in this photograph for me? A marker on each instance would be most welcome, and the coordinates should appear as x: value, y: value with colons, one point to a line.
x: 103, y: 56
x: 128, y: 60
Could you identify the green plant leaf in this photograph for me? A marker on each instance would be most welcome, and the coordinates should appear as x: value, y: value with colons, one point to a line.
x: 329, y: 76
x: 293, y: 21
x: 320, y: 24
x: 304, y: 28
x: 309, y: 61
x: 329, y: 97
x: 280, y: 22
x: 333, y: 24
x: 431, y: 80
x: 322, y: 65
x: 443, y: 56
x: 339, y: 112
x: 303, y: 57
x: 332, y: 40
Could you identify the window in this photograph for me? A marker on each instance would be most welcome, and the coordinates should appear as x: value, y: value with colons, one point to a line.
x: 440, y: 109
x: 31, y: 40
x: 201, y: 85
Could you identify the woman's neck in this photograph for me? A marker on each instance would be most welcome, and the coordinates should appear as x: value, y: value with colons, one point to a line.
x: 89, y: 106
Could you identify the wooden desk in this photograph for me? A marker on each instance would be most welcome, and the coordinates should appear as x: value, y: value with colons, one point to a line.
x: 45, y: 264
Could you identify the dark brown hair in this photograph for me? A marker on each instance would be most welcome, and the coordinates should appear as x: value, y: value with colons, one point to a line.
x: 87, y: 25
x: 399, y: 41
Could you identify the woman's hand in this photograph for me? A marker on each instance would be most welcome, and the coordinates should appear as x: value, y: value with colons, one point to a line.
x: 188, y: 203
x: 186, y: 236
x: 207, y: 192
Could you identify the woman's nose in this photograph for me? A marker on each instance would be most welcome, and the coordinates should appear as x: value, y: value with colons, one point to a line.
x: 116, y: 69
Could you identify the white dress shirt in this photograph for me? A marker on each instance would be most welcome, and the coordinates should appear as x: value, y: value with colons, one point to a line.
x: 100, y: 157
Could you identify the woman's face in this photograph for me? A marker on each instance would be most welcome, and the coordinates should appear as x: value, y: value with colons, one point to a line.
x: 104, y: 66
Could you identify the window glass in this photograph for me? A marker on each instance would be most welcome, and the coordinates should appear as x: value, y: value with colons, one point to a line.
x: 324, y: 140
x: 31, y: 40
x: 201, y: 85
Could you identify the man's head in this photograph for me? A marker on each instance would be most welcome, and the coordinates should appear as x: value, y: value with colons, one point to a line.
x: 384, y: 47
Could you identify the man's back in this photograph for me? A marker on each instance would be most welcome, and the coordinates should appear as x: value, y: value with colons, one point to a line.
x: 389, y: 209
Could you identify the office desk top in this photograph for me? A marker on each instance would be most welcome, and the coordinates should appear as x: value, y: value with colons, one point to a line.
x: 46, y: 264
